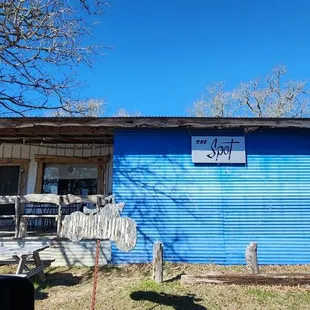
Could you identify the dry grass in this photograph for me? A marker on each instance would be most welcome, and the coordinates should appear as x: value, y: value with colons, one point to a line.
x: 130, y: 287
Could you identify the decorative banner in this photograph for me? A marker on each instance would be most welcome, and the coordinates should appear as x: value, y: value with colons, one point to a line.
x: 107, y: 224
x: 218, y: 150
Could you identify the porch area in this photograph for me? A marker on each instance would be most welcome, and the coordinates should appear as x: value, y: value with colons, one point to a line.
x: 49, y: 168
x: 37, y: 222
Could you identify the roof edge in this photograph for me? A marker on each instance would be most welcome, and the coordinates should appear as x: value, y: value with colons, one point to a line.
x: 153, y: 122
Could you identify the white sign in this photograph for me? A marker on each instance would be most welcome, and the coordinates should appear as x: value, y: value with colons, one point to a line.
x: 217, y: 149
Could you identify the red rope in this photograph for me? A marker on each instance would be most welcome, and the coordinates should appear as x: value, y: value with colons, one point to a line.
x: 93, y: 300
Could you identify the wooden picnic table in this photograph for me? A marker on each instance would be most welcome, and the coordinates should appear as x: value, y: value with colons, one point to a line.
x: 23, y: 257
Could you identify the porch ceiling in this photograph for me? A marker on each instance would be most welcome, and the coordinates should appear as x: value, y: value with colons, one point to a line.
x: 57, y: 135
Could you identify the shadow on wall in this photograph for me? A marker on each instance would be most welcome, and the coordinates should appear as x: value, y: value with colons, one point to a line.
x: 83, y: 253
x: 177, y: 302
x: 157, y: 198
x: 209, y: 213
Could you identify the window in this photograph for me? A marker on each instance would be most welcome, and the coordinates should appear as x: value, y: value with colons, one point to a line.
x: 76, y: 179
x: 71, y: 175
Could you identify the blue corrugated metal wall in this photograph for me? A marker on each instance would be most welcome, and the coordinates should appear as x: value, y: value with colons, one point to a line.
x: 209, y: 213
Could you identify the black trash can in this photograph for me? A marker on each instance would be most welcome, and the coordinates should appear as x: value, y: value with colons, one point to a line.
x: 16, y: 293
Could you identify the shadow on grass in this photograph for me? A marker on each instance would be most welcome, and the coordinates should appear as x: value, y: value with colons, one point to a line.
x: 54, y: 279
x: 62, y: 279
x: 176, y: 301
x: 39, y: 295
x: 67, y: 279
x: 106, y: 270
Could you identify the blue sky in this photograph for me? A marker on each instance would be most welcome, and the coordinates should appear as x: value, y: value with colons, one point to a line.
x: 166, y: 52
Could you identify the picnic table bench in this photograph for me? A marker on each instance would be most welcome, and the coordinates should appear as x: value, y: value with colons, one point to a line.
x: 23, y: 257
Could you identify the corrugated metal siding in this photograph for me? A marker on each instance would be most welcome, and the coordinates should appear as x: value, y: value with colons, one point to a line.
x: 66, y: 253
x: 210, y: 213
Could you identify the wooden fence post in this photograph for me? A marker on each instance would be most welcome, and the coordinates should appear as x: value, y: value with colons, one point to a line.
x: 251, y: 257
x: 99, y: 202
x: 59, y: 218
x: 158, y: 262
x: 23, y: 224
x: 17, y: 217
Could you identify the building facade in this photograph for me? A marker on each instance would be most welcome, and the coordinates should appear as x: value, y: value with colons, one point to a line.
x: 210, y: 212
x: 249, y: 182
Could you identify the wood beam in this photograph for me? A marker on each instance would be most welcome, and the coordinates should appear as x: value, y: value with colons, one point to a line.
x: 39, y: 177
x: 247, y: 279
x: 13, y: 161
x: 101, y: 178
x: 57, y: 140
x: 50, y: 198
x: 72, y: 159
x: 23, y: 176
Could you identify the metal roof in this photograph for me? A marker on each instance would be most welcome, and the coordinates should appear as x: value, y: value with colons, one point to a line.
x: 149, y: 117
x: 152, y: 121
x: 101, y: 129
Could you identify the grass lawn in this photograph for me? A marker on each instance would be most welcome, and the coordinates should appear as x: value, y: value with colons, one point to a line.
x: 131, y: 287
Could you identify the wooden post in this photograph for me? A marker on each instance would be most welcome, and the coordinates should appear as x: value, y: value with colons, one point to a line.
x: 101, y: 182
x: 59, y: 218
x: 39, y: 178
x: 23, y: 224
x: 158, y: 262
x: 38, y: 263
x: 99, y: 202
x: 17, y: 217
x: 251, y: 257
x: 21, y: 264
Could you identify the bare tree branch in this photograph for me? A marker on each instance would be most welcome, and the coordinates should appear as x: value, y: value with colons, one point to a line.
x: 40, y: 47
x: 90, y: 108
x: 214, y: 101
x: 270, y: 96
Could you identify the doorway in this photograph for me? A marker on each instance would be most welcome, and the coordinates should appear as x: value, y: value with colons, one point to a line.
x: 9, y: 181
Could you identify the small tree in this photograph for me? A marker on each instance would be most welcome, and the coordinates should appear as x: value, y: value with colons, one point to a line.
x: 124, y: 113
x: 270, y: 96
x: 84, y: 108
x: 40, y: 46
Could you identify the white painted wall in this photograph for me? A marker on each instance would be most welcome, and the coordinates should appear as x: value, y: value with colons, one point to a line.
x: 26, y: 151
